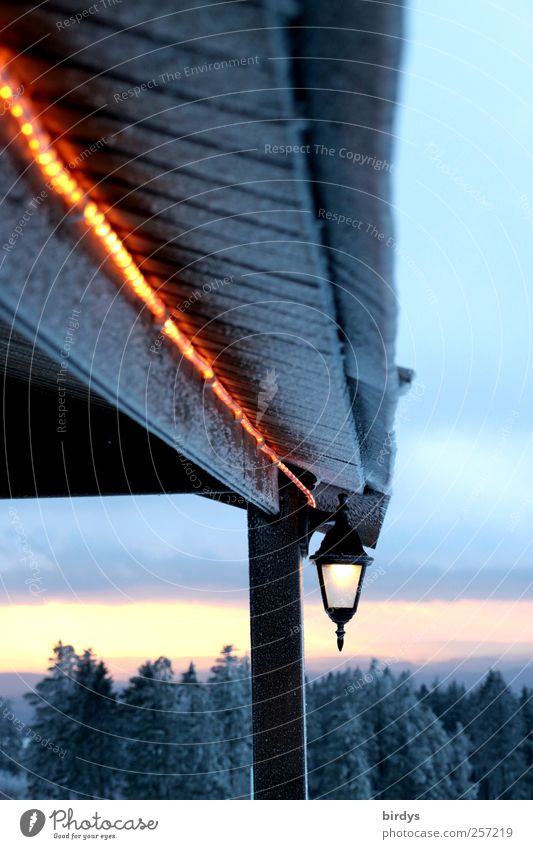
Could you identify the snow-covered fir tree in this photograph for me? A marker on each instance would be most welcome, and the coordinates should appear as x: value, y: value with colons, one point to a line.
x: 10, y: 739
x: 447, y: 703
x: 525, y: 784
x: 408, y: 743
x: 198, y: 755
x: 47, y: 772
x: 150, y: 725
x: 459, y: 751
x: 13, y: 784
x: 92, y: 756
x: 495, y: 729
x: 336, y: 735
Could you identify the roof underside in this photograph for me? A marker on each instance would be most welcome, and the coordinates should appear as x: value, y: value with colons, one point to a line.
x: 296, y: 310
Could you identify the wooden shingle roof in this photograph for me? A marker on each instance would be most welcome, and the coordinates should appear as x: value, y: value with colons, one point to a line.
x: 232, y: 147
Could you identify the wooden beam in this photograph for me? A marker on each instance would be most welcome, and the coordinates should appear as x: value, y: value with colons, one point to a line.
x: 99, y: 452
x: 366, y: 511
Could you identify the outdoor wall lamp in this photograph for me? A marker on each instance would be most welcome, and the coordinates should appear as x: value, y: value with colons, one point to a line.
x: 341, y: 563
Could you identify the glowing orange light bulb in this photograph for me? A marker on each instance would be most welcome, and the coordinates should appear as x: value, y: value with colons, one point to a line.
x: 52, y: 169
x: 6, y: 92
x: 122, y: 257
x: 170, y: 330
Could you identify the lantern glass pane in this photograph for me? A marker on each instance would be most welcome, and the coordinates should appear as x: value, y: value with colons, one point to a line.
x: 341, y: 581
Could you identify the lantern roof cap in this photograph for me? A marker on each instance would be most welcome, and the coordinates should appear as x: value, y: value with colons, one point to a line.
x: 341, y: 541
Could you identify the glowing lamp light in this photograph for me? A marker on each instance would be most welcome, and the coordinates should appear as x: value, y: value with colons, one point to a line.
x: 341, y: 562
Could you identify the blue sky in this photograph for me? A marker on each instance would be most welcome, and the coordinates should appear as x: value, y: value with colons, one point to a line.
x: 459, y: 523
x: 464, y: 211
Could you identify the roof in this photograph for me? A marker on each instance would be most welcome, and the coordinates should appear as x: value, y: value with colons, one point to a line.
x: 253, y: 189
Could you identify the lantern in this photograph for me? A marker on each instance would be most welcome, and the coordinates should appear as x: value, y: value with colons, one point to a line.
x: 341, y: 562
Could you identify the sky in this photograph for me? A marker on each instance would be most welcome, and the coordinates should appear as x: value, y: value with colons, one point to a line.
x: 136, y: 578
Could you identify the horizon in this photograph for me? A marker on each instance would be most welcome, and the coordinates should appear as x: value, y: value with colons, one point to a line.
x: 516, y: 672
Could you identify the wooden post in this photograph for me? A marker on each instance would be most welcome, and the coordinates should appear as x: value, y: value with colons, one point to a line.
x: 278, y: 695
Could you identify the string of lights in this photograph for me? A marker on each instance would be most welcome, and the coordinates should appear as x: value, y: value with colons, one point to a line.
x: 60, y: 178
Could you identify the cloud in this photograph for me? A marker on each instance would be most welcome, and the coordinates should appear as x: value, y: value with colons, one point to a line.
x: 122, y: 550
